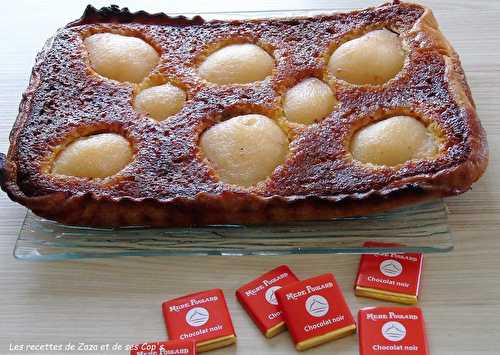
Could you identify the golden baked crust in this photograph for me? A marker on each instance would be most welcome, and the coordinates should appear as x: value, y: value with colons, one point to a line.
x: 169, y: 184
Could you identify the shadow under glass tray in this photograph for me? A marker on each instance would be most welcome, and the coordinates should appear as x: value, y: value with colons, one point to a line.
x: 421, y: 228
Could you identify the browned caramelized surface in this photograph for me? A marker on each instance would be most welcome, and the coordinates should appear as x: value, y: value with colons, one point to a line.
x: 70, y: 101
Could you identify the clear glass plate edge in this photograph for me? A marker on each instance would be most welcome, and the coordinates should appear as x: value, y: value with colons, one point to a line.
x: 421, y: 228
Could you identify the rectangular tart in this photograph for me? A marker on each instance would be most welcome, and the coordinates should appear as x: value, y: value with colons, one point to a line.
x: 168, y: 180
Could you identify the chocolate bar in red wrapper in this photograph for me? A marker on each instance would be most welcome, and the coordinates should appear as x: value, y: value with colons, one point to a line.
x: 315, y: 311
x: 259, y: 299
x: 202, y: 317
x: 389, y: 277
x: 392, y: 330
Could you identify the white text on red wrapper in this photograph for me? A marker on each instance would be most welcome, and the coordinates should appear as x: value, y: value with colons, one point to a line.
x: 378, y: 347
x: 309, y: 289
x: 264, y: 284
x: 388, y: 282
x: 397, y: 256
x: 164, y: 352
x: 192, y: 302
x: 324, y: 323
x: 391, y: 315
x: 202, y: 331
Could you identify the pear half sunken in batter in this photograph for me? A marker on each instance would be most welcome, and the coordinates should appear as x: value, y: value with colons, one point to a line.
x: 146, y: 119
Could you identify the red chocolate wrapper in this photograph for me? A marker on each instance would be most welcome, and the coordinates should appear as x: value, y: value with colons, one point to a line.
x: 315, y: 311
x: 389, y: 277
x: 171, y: 347
x: 392, y: 330
x: 259, y: 300
x: 202, y: 317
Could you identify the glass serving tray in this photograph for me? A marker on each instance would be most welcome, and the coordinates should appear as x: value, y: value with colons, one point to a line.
x: 422, y: 228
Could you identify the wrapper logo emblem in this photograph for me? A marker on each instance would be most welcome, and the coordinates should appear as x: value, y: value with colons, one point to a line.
x: 270, y: 296
x: 391, y: 268
x: 196, y: 317
x: 317, y: 306
x: 394, y: 331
